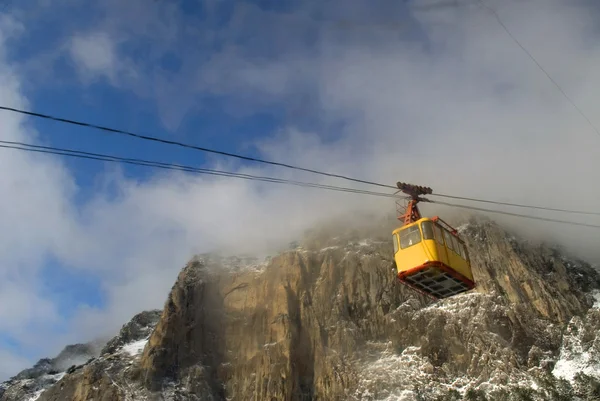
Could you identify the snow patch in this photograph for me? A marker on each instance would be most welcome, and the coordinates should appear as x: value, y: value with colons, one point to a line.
x: 257, y: 268
x: 580, y: 349
x: 56, y: 377
x: 136, y: 347
x: 36, y: 395
x: 596, y: 295
x: 462, y: 227
x: 234, y: 263
x: 459, y: 303
x: 578, y: 354
x: 387, y: 374
x: 567, y: 368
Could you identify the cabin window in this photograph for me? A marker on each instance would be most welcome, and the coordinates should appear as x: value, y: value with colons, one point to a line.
x: 464, y: 248
x: 461, y: 250
x: 448, y: 238
x: 438, y: 234
x: 456, y: 244
x: 410, y: 236
x: 395, y: 240
x: 427, y: 227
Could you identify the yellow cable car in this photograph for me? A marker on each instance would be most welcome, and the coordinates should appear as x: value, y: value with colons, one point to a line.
x: 429, y: 255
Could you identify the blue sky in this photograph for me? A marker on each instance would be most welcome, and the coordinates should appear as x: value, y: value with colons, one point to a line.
x: 378, y: 90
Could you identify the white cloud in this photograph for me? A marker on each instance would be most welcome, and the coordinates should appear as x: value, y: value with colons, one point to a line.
x: 475, y: 117
x: 94, y: 54
x: 34, y: 210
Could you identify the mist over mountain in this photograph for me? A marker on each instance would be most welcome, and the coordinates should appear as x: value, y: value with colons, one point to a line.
x: 327, y: 319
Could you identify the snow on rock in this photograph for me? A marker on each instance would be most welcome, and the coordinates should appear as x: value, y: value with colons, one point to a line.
x: 568, y: 368
x: 596, y: 295
x: 574, y: 359
x: 29, y: 389
x: 40, y: 380
x: 135, y: 348
x: 391, y: 376
x: 233, y: 263
x: 52, y: 378
x: 138, y: 328
x: 36, y: 395
x: 462, y: 228
x: 580, y: 350
x: 461, y: 303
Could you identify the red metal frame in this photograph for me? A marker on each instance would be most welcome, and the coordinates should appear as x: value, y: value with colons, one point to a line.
x: 448, y: 226
x: 410, y: 213
x: 428, y: 295
x: 402, y: 277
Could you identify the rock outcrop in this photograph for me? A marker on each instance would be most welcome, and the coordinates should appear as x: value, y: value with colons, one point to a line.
x: 327, y: 320
x: 536, y: 277
x: 46, y: 372
x: 138, y: 328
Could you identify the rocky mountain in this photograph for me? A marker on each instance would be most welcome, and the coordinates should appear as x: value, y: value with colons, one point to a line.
x: 327, y: 320
x: 31, y: 383
x: 46, y: 372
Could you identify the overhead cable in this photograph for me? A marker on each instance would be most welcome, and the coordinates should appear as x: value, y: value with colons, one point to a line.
x: 203, y: 149
x: 170, y: 142
x: 518, y: 205
x: 560, y: 89
x: 517, y: 214
x: 141, y: 162
x: 146, y: 163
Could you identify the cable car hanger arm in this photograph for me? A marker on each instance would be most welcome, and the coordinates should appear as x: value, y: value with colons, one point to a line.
x: 411, y: 211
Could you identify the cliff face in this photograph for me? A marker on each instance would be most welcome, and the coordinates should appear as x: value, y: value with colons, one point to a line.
x: 285, y: 332
x: 327, y: 320
x: 538, y: 278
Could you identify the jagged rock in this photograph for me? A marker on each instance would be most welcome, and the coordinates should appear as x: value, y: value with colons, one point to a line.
x: 42, y: 367
x: 96, y: 381
x: 136, y: 329
x: 535, y: 277
x: 76, y: 354
x: 46, y: 372
x: 580, y: 348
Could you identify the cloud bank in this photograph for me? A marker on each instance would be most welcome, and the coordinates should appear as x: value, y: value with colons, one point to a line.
x: 437, y: 95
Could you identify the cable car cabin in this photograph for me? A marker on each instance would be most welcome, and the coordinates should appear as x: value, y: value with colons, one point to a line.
x: 432, y: 259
